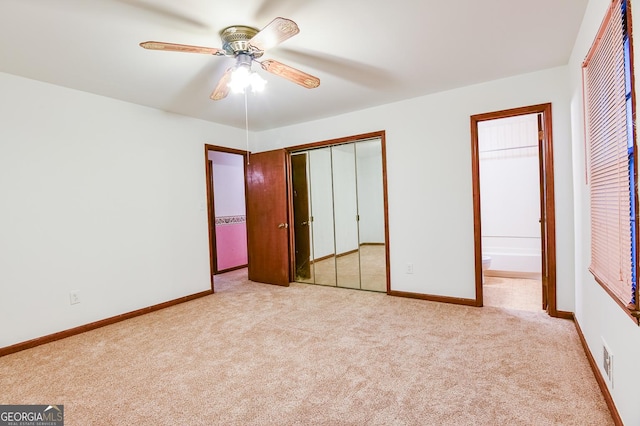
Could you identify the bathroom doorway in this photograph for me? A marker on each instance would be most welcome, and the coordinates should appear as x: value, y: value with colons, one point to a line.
x: 514, y: 212
x: 226, y: 199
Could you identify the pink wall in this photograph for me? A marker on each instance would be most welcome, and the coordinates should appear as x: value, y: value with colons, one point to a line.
x: 231, y: 244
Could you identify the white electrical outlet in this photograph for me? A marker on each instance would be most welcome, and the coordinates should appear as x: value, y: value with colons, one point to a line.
x: 607, y: 362
x: 74, y: 297
x: 409, y: 268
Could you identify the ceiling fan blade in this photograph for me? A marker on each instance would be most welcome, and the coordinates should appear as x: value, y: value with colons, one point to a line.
x: 222, y: 88
x: 277, y: 31
x: 172, y: 47
x: 290, y: 73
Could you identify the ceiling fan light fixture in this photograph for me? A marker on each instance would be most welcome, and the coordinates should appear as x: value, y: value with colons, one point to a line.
x: 239, y: 79
x: 242, y: 76
x: 257, y: 83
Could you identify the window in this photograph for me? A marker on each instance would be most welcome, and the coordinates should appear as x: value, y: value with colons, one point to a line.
x: 609, y: 115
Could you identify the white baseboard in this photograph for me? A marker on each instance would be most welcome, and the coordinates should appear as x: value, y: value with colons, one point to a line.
x: 513, y: 274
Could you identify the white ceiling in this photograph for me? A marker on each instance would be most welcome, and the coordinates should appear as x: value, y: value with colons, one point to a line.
x: 365, y: 52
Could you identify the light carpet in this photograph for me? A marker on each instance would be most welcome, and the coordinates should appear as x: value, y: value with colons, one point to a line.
x: 256, y: 354
x: 513, y: 293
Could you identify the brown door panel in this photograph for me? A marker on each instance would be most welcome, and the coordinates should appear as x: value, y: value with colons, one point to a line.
x: 267, y: 218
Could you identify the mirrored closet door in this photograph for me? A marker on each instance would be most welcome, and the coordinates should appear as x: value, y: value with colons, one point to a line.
x: 338, y: 209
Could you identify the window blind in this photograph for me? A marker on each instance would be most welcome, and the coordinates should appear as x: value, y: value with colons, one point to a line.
x: 609, y: 171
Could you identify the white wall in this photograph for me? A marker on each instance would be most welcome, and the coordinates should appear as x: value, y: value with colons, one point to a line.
x: 98, y: 196
x: 510, y: 193
x: 429, y: 181
x: 599, y: 317
x: 228, y: 179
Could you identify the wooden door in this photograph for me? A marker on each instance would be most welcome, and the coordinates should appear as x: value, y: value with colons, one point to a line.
x: 267, y: 218
x: 545, y: 287
x: 299, y: 183
x: 543, y: 216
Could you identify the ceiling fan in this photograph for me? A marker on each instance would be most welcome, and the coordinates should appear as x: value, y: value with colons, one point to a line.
x: 246, y: 45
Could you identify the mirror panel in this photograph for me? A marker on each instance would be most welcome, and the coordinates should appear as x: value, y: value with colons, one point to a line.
x: 371, y: 212
x: 301, y: 218
x: 322, y: 224
x: 345, y: 210
x: 340, y: 227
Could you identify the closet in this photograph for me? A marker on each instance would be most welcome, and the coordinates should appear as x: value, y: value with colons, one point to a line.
x: 339, y: 215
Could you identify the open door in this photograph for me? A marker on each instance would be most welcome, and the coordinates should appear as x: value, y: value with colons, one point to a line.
x: 547, y: 216
x: 267, y: 218
x: 543, y: 218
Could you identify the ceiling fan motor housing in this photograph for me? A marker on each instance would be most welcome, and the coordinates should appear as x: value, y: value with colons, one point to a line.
x: 235, y: 40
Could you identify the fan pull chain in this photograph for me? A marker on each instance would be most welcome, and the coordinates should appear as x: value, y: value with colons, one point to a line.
x: 246, y: 124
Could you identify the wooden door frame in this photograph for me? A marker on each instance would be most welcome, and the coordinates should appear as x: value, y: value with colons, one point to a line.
x: 339, y: 141
x: 546, y: 156
x: 210, y: 197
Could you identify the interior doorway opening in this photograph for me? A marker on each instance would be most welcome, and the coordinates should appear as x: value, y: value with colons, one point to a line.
x: 519, y: 241
x: 226, y: 200
x: 510, y: 211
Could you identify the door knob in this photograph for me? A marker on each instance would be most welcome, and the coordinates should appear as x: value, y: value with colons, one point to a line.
x: 304, y: 223
x: 283, y: 225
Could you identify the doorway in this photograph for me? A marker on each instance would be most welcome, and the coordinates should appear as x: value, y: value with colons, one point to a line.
x: 529, y: 245
x: 226, y: 200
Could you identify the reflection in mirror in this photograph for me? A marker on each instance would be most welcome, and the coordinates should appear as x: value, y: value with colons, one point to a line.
x: 345, y: 210
x: 301, y: 218
x: 322, y: 224
x: 339, y: 219
x: 371, y: 214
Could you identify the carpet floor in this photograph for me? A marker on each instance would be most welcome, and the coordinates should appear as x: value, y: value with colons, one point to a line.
x: 513, y: 293
x: 256, y: 354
